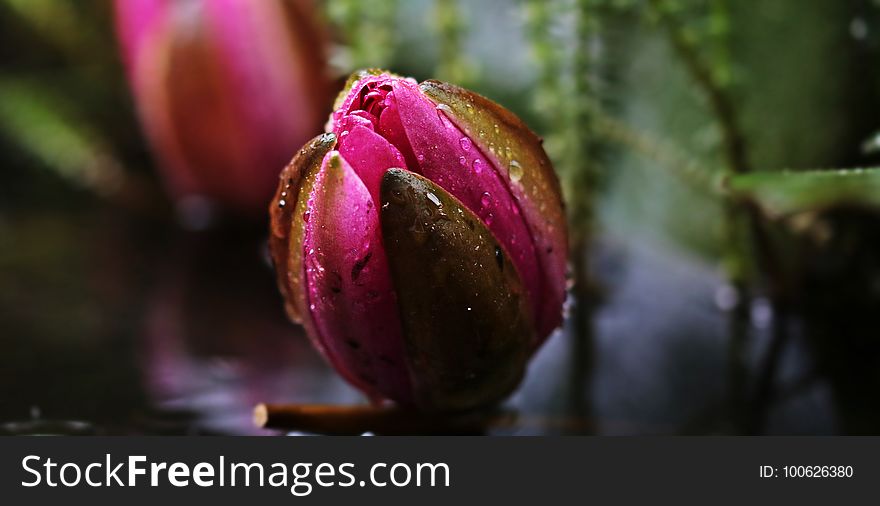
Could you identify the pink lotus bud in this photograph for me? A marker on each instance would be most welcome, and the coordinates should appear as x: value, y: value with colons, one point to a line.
x: 422, y: 243
x: 226, y: 90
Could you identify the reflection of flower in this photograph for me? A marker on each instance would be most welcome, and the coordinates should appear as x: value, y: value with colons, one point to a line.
x: 422, y: 243
x: 226, y: 90
x: 219, y: 345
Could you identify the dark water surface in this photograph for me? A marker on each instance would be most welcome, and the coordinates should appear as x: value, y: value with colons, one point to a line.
x: 113, y: 322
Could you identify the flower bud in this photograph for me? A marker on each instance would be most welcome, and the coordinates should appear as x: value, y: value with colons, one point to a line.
x: 422, y: 243
x: 226, y: 90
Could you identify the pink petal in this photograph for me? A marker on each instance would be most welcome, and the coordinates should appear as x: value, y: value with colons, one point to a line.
x: 446, y: 156
x: 370, y: 155
x: 350, y: 293
x: 136, y: 22
x: 227, y: 90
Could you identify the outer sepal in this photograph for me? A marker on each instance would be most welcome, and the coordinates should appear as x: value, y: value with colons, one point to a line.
x: 286, y: 224
x: 462, y: 306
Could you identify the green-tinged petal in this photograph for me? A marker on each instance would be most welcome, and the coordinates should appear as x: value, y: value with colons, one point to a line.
x: 465, y: 319
x: 286, y: 211
x: 524, y: 165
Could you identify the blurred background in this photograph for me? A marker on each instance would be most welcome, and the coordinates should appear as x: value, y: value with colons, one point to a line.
x: 715, y: 155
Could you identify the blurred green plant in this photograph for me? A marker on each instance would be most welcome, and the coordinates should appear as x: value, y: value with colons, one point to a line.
x: 39, y: 123
x: 63, y: 102
x: 781, y: 194
x: 368, y: 30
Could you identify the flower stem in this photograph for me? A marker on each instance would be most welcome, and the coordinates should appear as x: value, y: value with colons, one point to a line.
x: 566, y: 99
x: 745, y: 229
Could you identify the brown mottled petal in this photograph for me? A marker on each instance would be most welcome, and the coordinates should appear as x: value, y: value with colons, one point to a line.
x: 503, y: 137
x: 285, y: 212
x: 465, y: 319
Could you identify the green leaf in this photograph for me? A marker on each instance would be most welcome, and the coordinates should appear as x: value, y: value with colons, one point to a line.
x: 785, y: 193
x: 45, y: 125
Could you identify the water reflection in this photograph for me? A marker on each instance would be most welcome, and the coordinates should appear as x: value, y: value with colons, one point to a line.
x: 129, y: 326
x: 216, y: 342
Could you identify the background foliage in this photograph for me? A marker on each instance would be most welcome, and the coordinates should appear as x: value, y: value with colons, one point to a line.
x: 714, y: 152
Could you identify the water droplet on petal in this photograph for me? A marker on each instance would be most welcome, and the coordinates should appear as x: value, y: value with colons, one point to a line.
x: 516, y: 171
x: 421, y: 158
x: 306, y: 216
x: 433, y: 198
x: 478, y: 166
x: 465, y: 144
x: 486, y: 200
x: 462, y: 160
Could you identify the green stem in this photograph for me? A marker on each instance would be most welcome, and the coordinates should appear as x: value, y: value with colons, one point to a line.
x: 581, y: 179
x: 719, y: 100
x: 745, y: 228
x: 737, y: 231
x: 563, y: 99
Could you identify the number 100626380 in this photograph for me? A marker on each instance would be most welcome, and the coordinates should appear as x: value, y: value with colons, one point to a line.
x: 817, y: 472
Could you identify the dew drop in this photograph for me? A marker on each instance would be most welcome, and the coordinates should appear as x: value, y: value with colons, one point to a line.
x: 421, y: 158
x: 282, y: 203
x: 516, y: 171
x: 489, y: 219
x: 462, y: 160
x: 433, y: 198
x: 306, y: 216
x: 499, y: 258
x: 465, y: 144
x: 478, y: 166
x: 486, y: 200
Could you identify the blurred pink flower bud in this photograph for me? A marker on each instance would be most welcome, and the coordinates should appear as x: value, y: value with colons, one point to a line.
x: 226, y: 90
x: 422, y: 243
